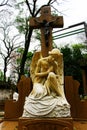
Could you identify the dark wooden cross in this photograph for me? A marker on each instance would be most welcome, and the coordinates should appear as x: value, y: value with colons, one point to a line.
x: 46, y: 22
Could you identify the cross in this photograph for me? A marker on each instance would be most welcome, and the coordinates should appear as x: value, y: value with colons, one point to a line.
x: 46, y: 22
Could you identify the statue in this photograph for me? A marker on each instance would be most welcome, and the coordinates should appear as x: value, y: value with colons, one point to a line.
x: 47, y: 99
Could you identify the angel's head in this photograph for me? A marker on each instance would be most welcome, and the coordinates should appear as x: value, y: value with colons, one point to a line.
x: 55, y: 53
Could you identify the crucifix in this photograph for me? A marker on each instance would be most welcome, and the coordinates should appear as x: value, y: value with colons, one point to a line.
x: 46, y: 22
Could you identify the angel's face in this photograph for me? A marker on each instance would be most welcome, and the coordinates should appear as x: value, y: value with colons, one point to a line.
x: 54, y: 57
x: 50, y: 58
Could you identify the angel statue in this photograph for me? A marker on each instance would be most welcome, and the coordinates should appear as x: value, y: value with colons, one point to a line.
x: 47, y: 98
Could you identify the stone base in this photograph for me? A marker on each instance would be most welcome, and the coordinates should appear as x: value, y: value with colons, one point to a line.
x: 45, y: 123
x: 9, y: 125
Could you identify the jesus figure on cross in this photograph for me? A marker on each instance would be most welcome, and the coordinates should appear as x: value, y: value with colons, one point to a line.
x: 46, y: 22
x: 46, y: 25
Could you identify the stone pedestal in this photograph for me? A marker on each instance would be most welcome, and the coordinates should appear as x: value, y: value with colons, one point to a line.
x: 45, y: 124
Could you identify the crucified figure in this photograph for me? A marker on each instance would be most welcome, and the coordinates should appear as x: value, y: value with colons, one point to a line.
x: 46, y: 26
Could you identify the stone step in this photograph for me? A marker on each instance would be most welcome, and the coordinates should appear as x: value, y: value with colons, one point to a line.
x: 9, y: 125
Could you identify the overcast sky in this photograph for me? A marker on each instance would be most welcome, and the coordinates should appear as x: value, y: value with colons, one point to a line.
x: 75, y: 11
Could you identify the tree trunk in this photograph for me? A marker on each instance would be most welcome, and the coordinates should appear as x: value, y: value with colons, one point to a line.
x: 5, y: 69
x: 24, y: 57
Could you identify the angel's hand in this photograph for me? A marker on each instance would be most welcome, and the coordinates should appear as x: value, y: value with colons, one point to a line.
x: 50, y: 69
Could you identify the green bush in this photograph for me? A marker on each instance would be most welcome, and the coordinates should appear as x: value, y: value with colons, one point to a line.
x: 73, y: 57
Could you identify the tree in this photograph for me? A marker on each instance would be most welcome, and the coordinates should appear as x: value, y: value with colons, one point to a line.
x: 74, y: 57
x: 5, y: 5
x: 3, y: 2
x: 33, y: 10
x: 15, y: 64
x: 1, y: 76
x: 9, y: 43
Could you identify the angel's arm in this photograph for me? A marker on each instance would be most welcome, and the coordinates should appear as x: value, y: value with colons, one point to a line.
x: 42, y: 74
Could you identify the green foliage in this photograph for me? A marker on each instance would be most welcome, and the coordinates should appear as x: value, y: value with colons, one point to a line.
x: 76, y: 52
x: 22, y: 24
x: 83, y: 57
x: 20, y: 50
x: 68, y: 63
x: 38, y: 34
x: 73, y: 57
x: 1, y: 76
x: 27, y: 65
x: 28, y: 61
x: 29, y: 56
x: 67, y: 52
x: 22, y: 20
x: 7, y: 85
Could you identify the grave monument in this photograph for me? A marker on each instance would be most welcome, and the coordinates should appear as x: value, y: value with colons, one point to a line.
x: 47, y: 98
x: 46, y: 115
x: 46, y: 105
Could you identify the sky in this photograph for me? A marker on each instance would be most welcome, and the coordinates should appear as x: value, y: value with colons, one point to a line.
x: 74, y: 11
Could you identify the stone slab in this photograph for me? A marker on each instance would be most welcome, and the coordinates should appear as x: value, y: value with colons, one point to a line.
x: 45, y: 124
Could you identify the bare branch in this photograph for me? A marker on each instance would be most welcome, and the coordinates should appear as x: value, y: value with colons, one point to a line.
x: 29, y: 7
x: 34, y: 6
x: 49, y: 3
x: 3, y: 56
x: 5, y: 2
x: 9, y: 44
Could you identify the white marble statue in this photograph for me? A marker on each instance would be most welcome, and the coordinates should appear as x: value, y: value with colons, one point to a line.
x: 47, y: 99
